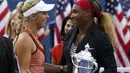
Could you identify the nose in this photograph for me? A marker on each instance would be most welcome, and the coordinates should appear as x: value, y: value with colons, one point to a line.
x: 69, y: 28
x: 47, y: 16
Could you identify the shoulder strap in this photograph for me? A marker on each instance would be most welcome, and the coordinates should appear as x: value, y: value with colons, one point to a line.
x: 41, y: 49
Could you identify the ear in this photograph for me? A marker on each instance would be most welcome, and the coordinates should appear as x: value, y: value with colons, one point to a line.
x: 33, y: 16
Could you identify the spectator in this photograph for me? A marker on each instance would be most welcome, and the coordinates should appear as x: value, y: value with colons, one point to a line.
x: 57, y: 50
x: 7, y: 63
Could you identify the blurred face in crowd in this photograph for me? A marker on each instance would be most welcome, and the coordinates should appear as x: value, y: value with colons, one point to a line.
x: 68, y: 26
x: 15, y: 21
x: 41, y: 18
x: 20, y: 24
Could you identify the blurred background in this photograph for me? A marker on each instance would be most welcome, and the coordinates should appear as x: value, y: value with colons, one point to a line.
x: 120, y: 10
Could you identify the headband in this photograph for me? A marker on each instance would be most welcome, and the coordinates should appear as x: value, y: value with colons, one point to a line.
x: 84, y: 4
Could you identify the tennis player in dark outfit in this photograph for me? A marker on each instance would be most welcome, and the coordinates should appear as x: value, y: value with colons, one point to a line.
x: 89, y: 33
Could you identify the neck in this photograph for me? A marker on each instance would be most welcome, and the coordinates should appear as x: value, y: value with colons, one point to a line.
x: 83, y: 29
x: 31, y: 27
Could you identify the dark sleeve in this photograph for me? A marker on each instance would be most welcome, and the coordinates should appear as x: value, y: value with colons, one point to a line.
x: 65, y: 43
x: 7, y: 64
x: 62, y: 61
x: 106, y: 55
x: 11, y: 55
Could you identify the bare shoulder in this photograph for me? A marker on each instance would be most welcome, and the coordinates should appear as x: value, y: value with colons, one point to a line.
x: 24, y: 38
x: 24, y: 43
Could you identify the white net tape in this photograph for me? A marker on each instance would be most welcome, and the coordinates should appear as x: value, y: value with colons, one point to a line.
x: 119, y: 69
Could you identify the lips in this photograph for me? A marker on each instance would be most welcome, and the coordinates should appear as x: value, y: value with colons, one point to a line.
x: 45, y: 21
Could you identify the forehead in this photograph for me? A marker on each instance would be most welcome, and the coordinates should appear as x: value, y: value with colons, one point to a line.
x: 76, y: 7
x: 42, y: 11
x: 70, y: 22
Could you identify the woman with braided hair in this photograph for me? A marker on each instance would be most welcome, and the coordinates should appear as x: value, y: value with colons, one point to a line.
x: 90, y: 44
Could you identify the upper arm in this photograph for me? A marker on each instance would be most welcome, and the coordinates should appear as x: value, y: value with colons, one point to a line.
x: 23, y: 48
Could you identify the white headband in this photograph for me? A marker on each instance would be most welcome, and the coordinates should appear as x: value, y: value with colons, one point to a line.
x: 41, y: 6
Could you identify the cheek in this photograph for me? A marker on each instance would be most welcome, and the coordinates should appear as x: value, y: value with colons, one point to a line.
x: 41, y: 19
x: 38, y: 20
x: 66, y: 29
x: 78, y: 17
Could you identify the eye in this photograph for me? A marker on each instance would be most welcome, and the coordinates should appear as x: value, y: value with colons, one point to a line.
x: 72, y: 26
x: 44, y: 12
x: 74, y: 11
x: 68, y: 25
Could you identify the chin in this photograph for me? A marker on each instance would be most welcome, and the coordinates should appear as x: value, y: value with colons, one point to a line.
x: 43, y: 25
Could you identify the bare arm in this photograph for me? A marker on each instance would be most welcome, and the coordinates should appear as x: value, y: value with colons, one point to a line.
x: 23, y: 48
x: 50, y: 68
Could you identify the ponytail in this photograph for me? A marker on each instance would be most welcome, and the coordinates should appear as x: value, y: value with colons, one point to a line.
x: 104, y: 20
x: 105, y: 23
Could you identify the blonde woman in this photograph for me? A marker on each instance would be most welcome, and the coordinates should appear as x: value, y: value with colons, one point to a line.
x: 29, y: 50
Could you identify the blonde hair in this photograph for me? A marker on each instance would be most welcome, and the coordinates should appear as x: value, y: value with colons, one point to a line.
x: 28, y: 4
x: 107, y: 25
x: 104, y: 21
x: 8, y: 28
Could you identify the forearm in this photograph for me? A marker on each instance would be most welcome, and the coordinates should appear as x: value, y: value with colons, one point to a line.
x: 24, y: 71
x: 52, y: 68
